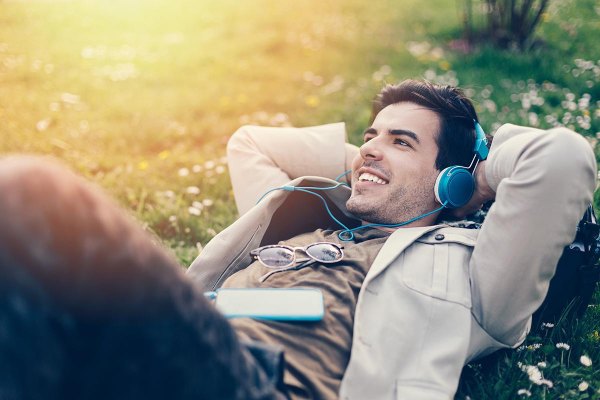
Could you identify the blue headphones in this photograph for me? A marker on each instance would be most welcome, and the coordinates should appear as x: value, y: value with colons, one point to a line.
x: 454, y: 186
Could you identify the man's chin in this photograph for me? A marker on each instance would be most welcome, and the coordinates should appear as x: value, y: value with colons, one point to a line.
x: 368, y: 210
x: 360, y: 209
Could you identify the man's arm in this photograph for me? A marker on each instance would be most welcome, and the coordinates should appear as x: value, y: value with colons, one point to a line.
x: 261, y: 158
x: 542, y: 182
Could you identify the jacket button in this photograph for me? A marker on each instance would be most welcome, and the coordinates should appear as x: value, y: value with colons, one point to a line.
x: 439, y: 236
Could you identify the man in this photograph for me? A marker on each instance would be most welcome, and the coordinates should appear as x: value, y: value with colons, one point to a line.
x: 407, y: 307
x: 107, y: 315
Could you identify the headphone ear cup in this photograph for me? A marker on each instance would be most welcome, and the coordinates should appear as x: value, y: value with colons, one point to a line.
x: 454, y: 187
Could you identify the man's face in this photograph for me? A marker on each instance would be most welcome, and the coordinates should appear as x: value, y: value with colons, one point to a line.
x: 394, y: 174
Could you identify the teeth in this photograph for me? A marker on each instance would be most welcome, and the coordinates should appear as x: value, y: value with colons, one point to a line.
x: 371, y: 178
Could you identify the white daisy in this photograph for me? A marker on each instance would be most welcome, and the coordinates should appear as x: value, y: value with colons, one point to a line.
x: 562, y: 345
x: 524, y: 392
x: 583, y: 386
x: 585, y: 361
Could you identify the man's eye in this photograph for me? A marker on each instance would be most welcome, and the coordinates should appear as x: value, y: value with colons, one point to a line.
x: 367, y: 138
x: 401, y: 142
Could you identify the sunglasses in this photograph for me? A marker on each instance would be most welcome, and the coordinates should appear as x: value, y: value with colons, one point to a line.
x: 280, y: 256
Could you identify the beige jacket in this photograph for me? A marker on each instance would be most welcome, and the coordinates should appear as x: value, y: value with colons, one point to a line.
x: 436, y: 297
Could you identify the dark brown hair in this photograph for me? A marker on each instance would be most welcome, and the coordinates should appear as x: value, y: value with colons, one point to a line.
x: 456, y: 138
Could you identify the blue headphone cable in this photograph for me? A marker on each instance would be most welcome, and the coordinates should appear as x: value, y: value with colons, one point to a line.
x: 343, y: 174
x: 347, y: 234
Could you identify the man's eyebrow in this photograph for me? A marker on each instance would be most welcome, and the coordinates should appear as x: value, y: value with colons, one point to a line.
x: 396, y: 132
x: 405, y: 132
x: 370, y: 130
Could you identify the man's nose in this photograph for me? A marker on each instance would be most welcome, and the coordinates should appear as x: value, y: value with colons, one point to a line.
x: 371, y: 150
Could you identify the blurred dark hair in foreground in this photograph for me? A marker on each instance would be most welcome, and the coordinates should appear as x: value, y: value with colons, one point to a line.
x: 91, y: 308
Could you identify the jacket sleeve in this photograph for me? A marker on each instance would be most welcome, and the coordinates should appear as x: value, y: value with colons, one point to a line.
x: 262, y: 158
x: 543, y: 181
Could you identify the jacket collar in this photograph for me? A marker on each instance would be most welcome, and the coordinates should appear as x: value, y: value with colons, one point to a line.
x: 394, y: 246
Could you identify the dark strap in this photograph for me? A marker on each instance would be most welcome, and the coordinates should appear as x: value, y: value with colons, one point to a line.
x: 268, y: 364
x: 577, y: 274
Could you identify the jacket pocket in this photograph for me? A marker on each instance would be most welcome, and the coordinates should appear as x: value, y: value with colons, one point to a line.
x: 440, y: 268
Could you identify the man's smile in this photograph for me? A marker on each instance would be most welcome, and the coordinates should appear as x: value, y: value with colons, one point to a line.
x: 367, y: 177
x: 370, y: 175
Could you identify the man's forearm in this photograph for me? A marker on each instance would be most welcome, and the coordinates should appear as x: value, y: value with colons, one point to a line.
x: 261, y: 158
x: 543, y: 181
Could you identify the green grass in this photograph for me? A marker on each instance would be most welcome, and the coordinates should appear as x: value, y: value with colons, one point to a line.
x: 141, y: 96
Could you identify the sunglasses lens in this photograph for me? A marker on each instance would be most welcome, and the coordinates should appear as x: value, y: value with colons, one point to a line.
x: 276, y: 257
x: 325, y: 252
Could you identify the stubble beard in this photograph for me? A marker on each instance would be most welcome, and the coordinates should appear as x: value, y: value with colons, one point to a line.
x: 399, y: 205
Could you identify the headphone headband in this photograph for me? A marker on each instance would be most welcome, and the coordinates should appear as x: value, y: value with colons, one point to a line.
x: 480, y: 150
x: 455, y: 185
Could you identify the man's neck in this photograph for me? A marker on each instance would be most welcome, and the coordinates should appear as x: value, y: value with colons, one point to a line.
x: 427, y: 221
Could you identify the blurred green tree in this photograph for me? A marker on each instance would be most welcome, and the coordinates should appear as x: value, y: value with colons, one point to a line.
x: 506, y: 23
